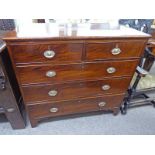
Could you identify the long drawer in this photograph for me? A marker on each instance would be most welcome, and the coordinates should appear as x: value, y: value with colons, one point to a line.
x: 58, y: 52
x: 68, y: 91
x: 80, y: 71
x: 114, y: 50
x: 49, y: 109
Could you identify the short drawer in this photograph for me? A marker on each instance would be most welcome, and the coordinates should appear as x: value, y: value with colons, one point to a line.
x: 68, y: 91
x: 49, y: 109
x: 81, y: 71
x: 114, y: 50
x: 40, y: 53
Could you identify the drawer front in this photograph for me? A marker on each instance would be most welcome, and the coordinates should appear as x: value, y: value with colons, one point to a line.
x: 40, y: 53
x: 75, y: 106
x: 114, y: 50
x: 70, y: 91
x: 61, y: 73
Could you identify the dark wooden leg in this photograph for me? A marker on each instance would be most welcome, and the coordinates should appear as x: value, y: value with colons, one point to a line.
x: 33, y: 122
x: 149, y: 63
x: 123, y: 108
x: 115, y: 111
x: 11, y: 109
x: 153, y: 102
x: 15, y: 118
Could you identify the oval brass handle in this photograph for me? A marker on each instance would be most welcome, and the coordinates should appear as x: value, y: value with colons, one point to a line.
x: 105, y: 87
x: 102, y: 104
x: 52, y: 93
x: 111, y: 70
x: 116, y: 51
x: 49, y: 54
x: 50, y: 73
x: 54, y: 110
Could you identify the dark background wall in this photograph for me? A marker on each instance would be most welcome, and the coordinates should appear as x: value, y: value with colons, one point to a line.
x: 139, y: 24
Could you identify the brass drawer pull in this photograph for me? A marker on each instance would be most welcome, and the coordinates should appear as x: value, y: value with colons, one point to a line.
x: 111, y: 70
x: 116, y: 51
x: 53, y: 110
x: 50, y: 73
x: 49, y: 54
x: 52, y: 93
x: 102, y: 104
x: 105, y: 87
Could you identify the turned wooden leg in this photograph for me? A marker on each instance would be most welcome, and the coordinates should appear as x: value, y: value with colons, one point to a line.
x: 149, y: 63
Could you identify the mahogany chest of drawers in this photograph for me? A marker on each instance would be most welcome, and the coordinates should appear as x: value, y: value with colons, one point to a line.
x: 62, y: 72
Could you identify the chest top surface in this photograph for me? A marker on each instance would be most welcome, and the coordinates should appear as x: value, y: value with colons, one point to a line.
x: 68, y: 32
